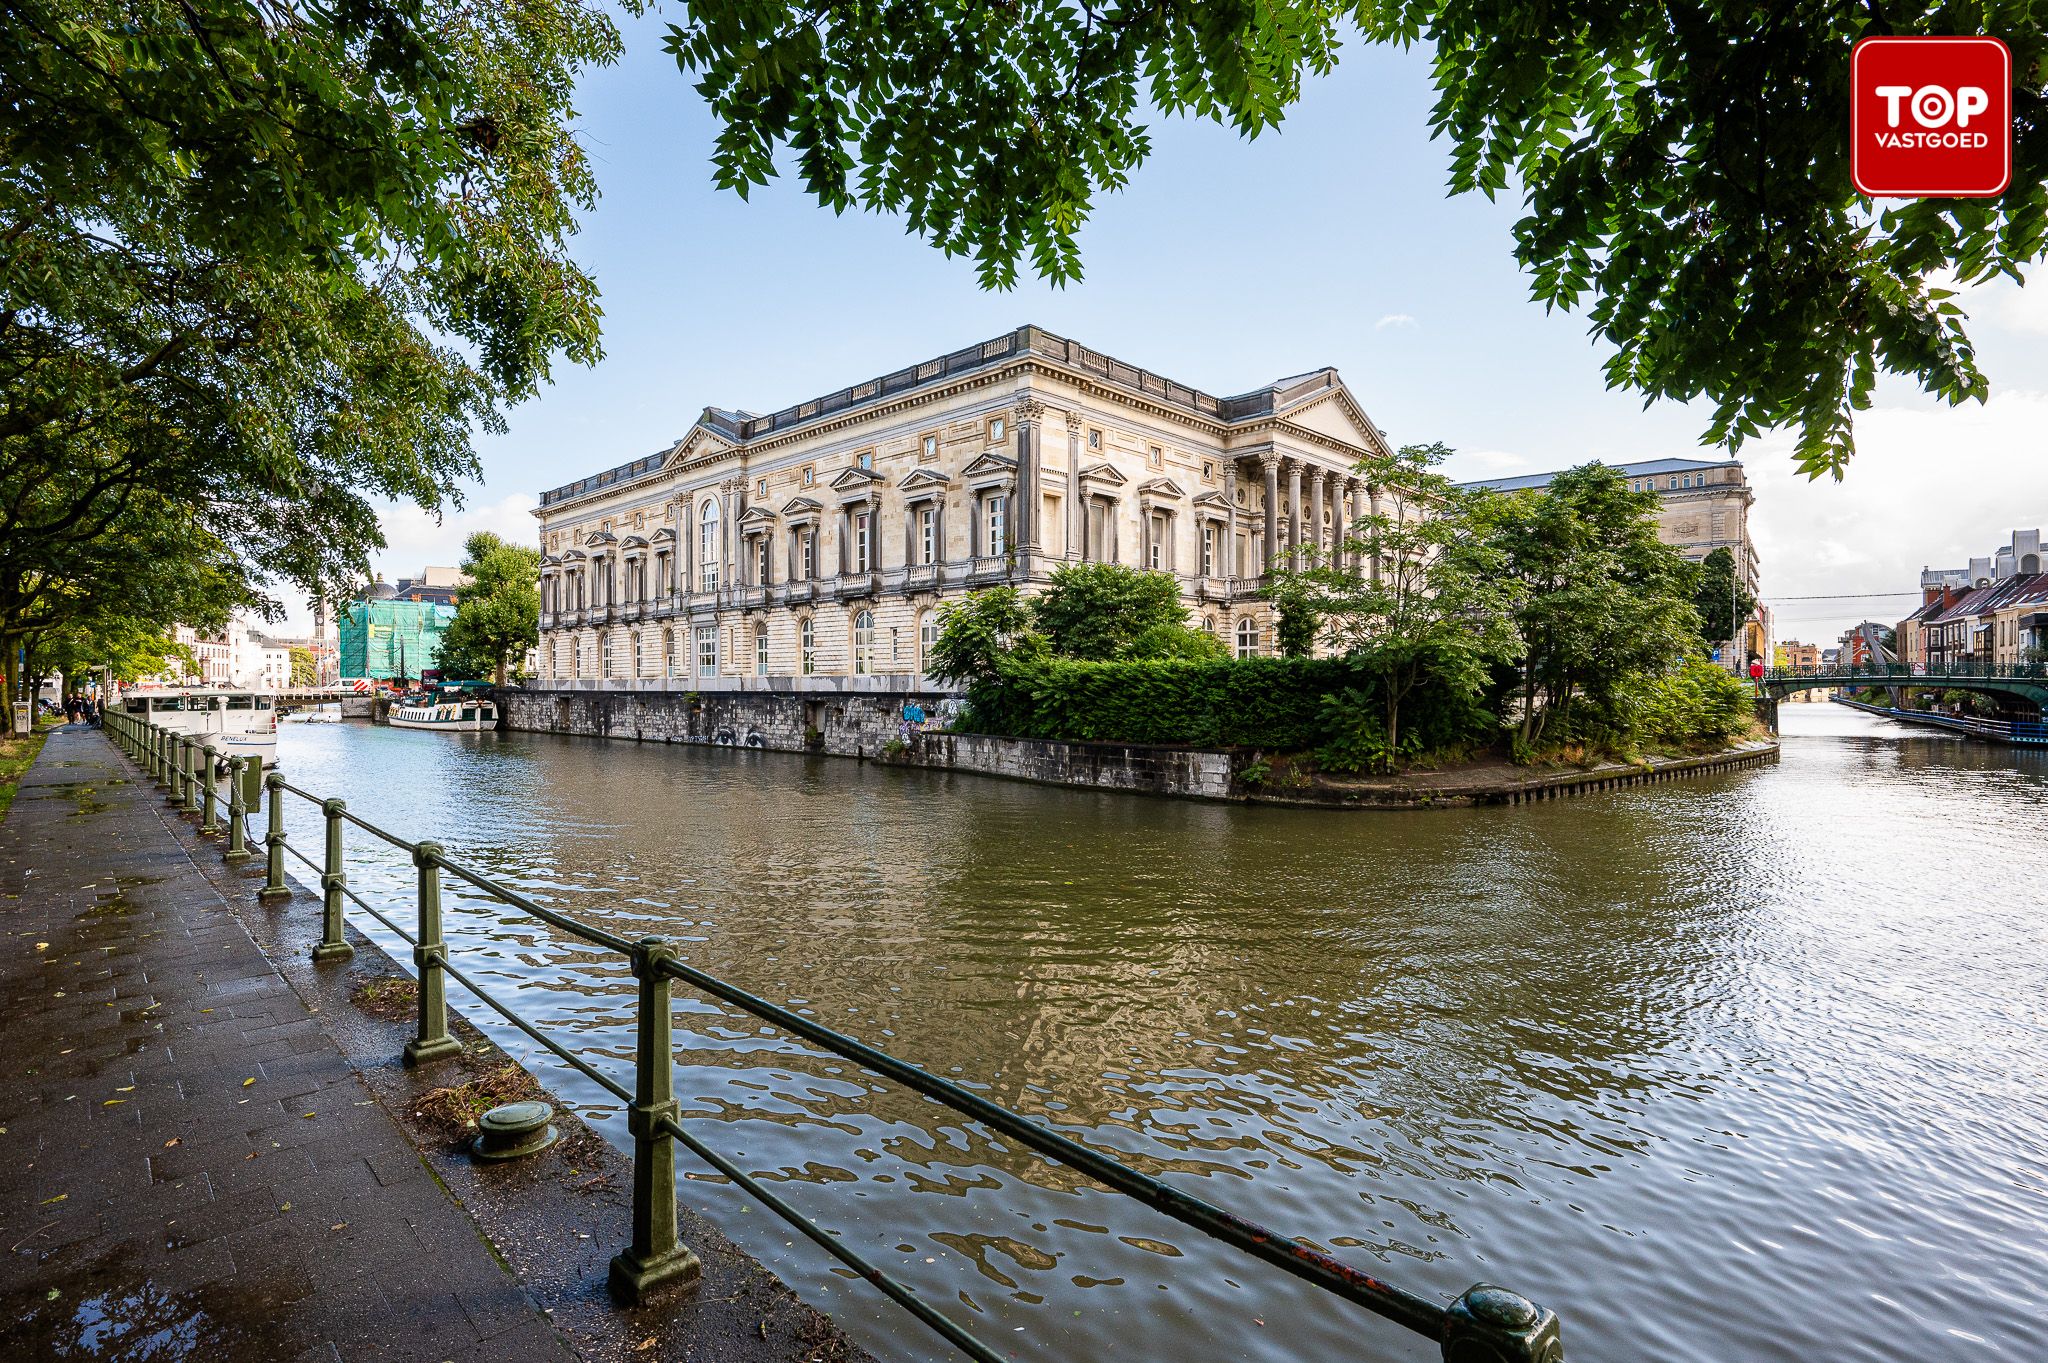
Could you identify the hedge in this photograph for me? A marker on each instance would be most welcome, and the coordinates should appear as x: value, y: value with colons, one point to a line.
x: 1274, y: 703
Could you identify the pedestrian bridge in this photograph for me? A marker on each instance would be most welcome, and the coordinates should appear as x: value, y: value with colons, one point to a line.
x: 2026, y: 681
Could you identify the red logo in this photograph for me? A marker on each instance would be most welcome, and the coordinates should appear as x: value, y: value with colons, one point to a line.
x: 1930, y: 118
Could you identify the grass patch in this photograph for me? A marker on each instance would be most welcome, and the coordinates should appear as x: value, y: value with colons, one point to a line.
x: 17, y: 755
x: 394, y: 998
x: 456, y: 1108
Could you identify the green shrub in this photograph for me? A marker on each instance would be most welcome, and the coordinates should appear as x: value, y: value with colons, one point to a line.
x: 1356, y: 736
x: 1272, y: 703
x: 1696, y: 702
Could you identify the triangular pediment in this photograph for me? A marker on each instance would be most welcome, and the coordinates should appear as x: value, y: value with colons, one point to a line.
x: 990, y: 465
x: 601, y: 538
x: 1213, y: 498
x: 701, y: 442
x: 757, y: 515
x: 854, y: 478
x: 1161, y: 487
x: 633, y: 542
x: 802, y: 506
x: 1333, y: 412
x: 919, y: 479
x: 1103, y: 473
x: 665, y: 535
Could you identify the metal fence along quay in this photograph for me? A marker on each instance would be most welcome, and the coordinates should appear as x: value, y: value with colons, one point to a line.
x: 1486, y: 1324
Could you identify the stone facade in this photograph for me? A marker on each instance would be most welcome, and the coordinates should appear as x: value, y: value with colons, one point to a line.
x: 812, y: 547
x: 1701, y: 506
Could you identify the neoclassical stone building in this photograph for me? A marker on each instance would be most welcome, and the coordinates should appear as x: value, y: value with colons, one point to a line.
x: 808, y: 550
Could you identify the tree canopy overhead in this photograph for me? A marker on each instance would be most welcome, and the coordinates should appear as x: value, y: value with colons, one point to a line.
x: 1683, y: 169
x: 263, y: 262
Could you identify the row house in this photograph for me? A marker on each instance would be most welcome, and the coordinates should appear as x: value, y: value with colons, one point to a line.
x: 2003, y: 622
x: 811, y: 548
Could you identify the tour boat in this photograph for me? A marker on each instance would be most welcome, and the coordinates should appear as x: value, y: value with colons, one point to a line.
x: 228, y: 723
x: 452, y: 707
x: 330, y: 713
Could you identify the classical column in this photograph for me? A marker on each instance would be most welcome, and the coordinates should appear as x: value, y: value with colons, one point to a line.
x: 1315, y: 515
x: 1269, y: 465
x: 1293, y: 509
x: 1351, y: 491
x: 1073, y: 508
x: 728, y: 530
x: 1030, y: 412
x: 1373, y: 501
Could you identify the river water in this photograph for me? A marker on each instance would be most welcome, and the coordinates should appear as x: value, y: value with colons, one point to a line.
x: 1742, y: 1068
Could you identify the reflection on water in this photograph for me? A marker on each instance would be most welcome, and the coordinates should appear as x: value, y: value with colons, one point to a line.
x: 1741, y: 1068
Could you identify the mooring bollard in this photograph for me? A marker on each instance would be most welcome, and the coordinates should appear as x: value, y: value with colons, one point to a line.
x: 238, y: 813
x: 273, y: 843
x: 1490, y: 1324
x: 657, y: 1258
x: 433, y: 1041
x: 332, y: 946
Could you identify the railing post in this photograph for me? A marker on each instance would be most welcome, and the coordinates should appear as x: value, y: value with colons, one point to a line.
x: 209, y: 796
x: 273, y: 843
x: 657, y: 1258
x: 156, y: 754
x: 1490, y: 1324
x: 238, y: 812
x: 432, y: 1042
x: 194, y: 751
x: 174, y: 768
x: 332, y: 946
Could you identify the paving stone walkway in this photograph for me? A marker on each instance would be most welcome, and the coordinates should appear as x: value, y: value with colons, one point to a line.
x: 189, y: 1168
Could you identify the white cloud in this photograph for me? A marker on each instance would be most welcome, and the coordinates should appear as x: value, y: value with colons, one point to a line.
x: 1490, y: 464
x: 1930, y: 486
x: 1393, y: 319
x: 413, y: 540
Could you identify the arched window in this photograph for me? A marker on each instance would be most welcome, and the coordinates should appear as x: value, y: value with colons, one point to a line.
x: 1247, y: 639
x: 807, y: 646
x: 707, y: 548
x: 864, y: 642
x: 927, y: 638
x: 1208, y: 624
x: 761, y: 648
x: 636, y: 654
x: 604, y: 654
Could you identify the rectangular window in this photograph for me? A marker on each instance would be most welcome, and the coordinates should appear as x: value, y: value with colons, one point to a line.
x: 1155, y: 456
x: 807, y: 646
x: 862, y: 561
x: 1156, y: 551
x: 1208, y: 470
x: 997, y: 505
x: 761, y: 488
x: 927, y: 534
x: 1208, y: 551
x: 807, y: 553
x: 928, y: 447
x: 761, y: 561
x: 1094, y: 438
x: 809, y: 475
x: 865, y: 459
x: 707, y: 649
x: 760, y: 650
x: 997, y: 430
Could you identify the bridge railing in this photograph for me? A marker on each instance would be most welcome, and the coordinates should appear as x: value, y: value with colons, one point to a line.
x: 1913, y: 674
x: 1485, y: 1324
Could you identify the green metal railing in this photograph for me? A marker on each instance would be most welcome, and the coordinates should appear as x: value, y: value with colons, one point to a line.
x: 1930, y: 674
x: 1485, y: 1324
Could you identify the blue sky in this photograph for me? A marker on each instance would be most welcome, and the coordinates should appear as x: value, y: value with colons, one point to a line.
x: 1226, y: 264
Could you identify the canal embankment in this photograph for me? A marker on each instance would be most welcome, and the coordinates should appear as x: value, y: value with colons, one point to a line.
x: 208, y: 1132
x: 2011, y: 732
x: 869, y: 725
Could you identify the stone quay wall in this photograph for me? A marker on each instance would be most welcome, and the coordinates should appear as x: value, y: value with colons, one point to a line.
x: 867, y: 723
x: 845, y: 723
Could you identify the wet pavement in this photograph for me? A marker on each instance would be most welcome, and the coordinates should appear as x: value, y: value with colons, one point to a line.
x: 190, y: 1168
